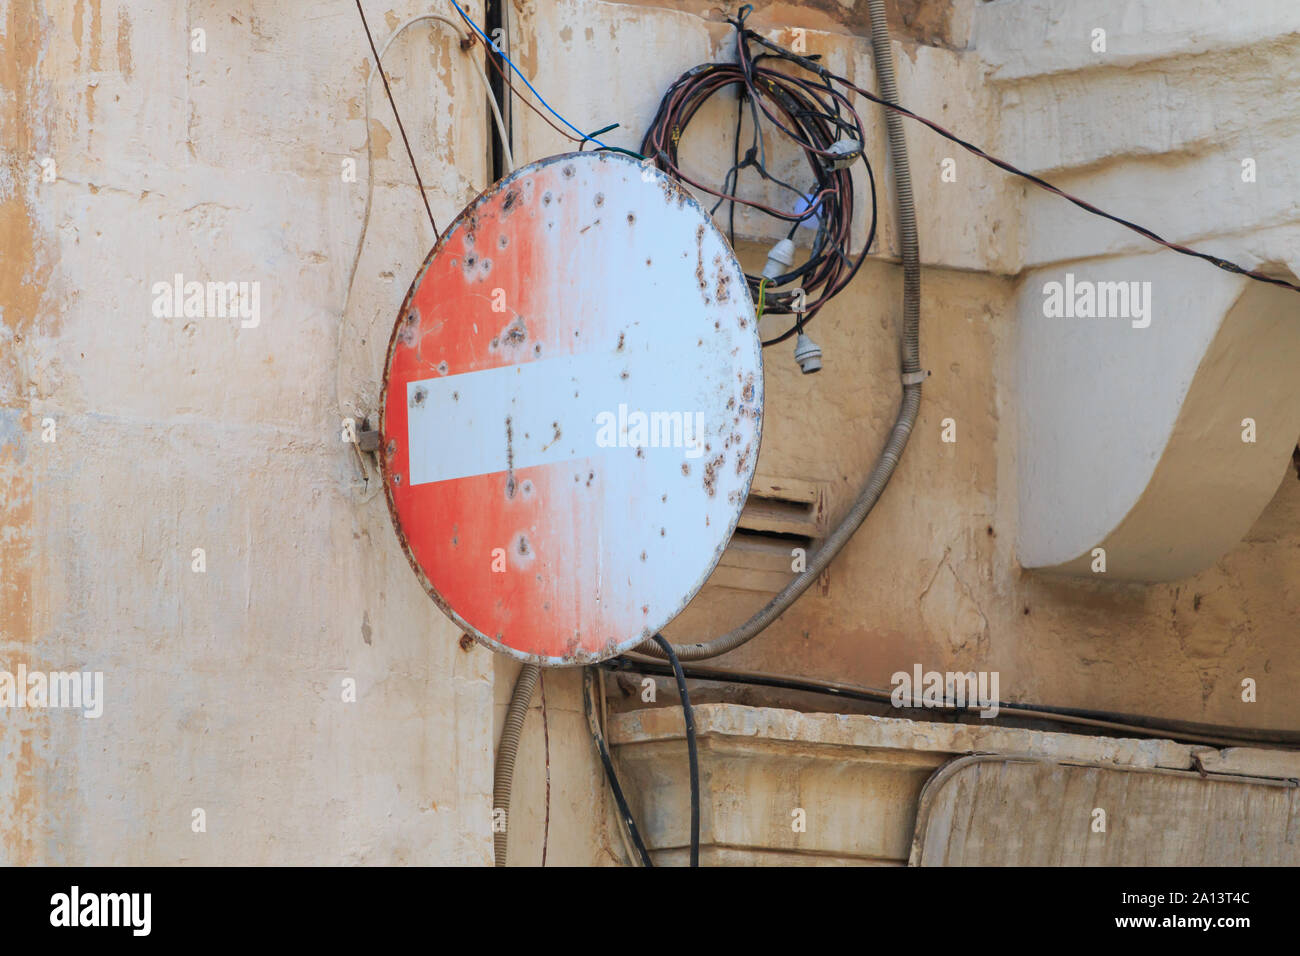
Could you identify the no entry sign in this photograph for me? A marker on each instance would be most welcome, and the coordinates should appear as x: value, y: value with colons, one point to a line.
x: 572, y: 407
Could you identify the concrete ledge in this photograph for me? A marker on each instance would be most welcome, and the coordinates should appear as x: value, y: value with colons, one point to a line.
x: 858, y: 780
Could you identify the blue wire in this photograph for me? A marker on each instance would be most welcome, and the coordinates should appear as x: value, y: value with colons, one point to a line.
x: 501, y: 53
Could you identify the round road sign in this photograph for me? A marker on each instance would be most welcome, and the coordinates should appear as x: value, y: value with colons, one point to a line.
x: 572, y: 407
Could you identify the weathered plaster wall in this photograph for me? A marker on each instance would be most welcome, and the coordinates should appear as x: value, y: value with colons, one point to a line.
x: 224, y: 688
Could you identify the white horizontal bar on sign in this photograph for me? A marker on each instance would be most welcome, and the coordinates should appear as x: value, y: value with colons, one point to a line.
x: 516, y: 416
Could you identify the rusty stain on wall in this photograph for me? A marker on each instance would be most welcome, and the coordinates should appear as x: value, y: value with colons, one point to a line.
x: 21, y: 282
x: 96, y: 40
x: 20, y: 288
x: 124, y: 44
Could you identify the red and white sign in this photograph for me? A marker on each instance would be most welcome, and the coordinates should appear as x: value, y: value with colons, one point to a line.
x: 572, y: 409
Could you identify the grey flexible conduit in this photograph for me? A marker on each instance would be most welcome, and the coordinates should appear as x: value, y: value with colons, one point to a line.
x: 883, y: 55
x: 503, y: 779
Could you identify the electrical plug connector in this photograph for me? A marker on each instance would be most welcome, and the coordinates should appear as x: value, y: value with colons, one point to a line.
x: 779, y: 259
x: 808, y: 354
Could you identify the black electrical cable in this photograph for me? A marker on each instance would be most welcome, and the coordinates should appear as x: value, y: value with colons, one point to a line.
x: 494, y: 24
x: 811, y: 65
x: 608, y: 763
x: 1176, y: 730
x: 821, y: 122
x: 397, y: 116
x: 816, y: 116
x: 688, y: 715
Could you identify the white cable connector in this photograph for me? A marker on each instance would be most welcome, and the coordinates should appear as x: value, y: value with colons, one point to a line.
x: 779, y: 259
x: 808, y: 354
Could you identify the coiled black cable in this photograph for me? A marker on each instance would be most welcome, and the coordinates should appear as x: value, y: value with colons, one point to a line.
x: 814, y: 115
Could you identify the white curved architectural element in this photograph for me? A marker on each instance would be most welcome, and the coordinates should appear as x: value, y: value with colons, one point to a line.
x: 1158, y: 434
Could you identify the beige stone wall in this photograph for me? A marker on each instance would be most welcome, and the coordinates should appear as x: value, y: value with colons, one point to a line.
x: 224, y: 689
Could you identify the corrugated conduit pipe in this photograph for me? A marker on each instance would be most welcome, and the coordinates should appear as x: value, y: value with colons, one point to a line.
x: 883, y: 470
x: 503, y: 778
